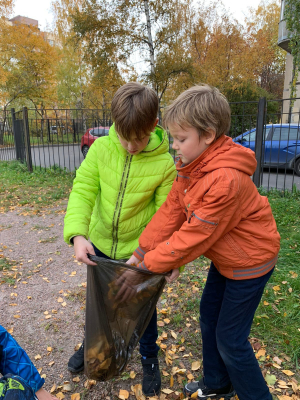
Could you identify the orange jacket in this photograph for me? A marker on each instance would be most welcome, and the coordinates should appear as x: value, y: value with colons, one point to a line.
x: 215, y: 210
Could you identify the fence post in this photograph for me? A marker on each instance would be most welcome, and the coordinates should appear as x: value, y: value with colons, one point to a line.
x: 27, y: 139
x: 17, y: 128
x: 260, y: 122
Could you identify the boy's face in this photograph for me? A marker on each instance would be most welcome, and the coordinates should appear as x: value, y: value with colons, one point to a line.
x: 134, y: 146
x: 187, y: 142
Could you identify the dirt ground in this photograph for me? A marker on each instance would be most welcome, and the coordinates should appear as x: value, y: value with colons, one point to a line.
x: 42, y: 295
x: 42, y: 300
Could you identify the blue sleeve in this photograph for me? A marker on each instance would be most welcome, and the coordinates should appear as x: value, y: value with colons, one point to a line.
x: 14, y: 360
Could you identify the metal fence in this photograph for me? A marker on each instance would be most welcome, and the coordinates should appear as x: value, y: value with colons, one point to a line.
x: 54, y: 138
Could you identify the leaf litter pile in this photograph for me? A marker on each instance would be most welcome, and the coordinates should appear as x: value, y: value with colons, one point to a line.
x: 42, y: 289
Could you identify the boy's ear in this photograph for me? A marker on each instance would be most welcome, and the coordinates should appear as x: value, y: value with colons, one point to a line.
x: 210, y: 136
x: 156, y: 122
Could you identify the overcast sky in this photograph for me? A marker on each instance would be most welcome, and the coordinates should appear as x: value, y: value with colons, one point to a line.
x: 40, y: 9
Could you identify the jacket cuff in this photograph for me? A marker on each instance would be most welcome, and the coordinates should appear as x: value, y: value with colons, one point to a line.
x: 142, y: 266
x: 139, y: 253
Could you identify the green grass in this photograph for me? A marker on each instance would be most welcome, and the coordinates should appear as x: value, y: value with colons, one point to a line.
x: 41, y: 188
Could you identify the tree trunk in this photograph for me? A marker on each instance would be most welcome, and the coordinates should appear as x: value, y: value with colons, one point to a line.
x: 150, y: 41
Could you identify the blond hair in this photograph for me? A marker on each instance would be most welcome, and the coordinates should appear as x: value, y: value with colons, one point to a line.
x: 134, y: 110
x: 202, y: 107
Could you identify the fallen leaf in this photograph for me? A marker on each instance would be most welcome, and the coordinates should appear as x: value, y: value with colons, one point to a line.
x: 60, y: 395
x: 195, y: 365
x: 277, y: 360
x: 132, y: 374
x: 165, y: 373
x: 76, y: 379
x: 53, y: 388
x: 287, y: 372
x: 75, y: 396
x: 51, y: 363
x: 174, y: 334
x: 60, y: 300
x: 167, y: 391
x: 10, y: 330
x: 49, y: 348
x: 260, y: 353
x: 64, y: 304
x: 123, y: 394
x: 37, y: 357
x: 160, y: 323
x: 190, y: 376
x: 276, y: 288
x: 17, y: 316
x: 171, y: 381
x: 194, y: 395
x: 166, y: 320
x: 137, y: 389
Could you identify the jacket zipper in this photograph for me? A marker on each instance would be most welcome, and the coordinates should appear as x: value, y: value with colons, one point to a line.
x: 117, y: 212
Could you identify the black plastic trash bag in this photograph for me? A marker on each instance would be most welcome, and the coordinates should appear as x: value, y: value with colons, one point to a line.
x: 113, y: 326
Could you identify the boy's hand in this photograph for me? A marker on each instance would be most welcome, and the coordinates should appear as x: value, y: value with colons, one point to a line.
x: 133, y: 260
x: 128, y: 282
x: 42, y: 394
x: 173, y: 276
x: 82, y: 247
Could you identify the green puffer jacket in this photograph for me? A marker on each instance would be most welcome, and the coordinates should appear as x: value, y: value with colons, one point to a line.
x: 115, y: 194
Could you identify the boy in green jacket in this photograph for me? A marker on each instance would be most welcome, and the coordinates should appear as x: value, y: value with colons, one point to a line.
x: 123, y: 181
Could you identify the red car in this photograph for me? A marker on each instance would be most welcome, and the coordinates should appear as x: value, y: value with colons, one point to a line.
x: 90, y: 136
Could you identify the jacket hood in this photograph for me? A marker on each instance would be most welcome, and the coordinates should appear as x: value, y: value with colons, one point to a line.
x: 158, y: 142
x: 224, y: 153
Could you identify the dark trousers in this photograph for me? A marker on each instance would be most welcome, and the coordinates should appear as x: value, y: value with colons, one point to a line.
x: 227, y: 309
x: 148, y: 346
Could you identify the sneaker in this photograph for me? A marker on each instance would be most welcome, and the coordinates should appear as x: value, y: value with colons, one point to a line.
x: 204, y: 392
x: 76, y: 362
x: 151, y: 377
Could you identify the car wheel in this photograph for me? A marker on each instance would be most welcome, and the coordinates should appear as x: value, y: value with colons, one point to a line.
x: 85, y: 150
x: 297, y: 167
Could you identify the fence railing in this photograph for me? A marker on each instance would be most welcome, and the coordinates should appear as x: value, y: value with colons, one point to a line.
x: 51, y: 138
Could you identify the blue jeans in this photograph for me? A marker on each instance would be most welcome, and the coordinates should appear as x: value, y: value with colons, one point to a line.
x: 148, y: 346
x: 227, y: 309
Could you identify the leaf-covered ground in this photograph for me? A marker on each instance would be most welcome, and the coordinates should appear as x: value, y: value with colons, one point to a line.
x: 42, y: 293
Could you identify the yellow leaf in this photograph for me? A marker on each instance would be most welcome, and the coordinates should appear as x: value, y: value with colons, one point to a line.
x: 171, y: 381
x: 60, y: 395
x: 260, y: 353
x: 194, y: 395
x: 288, y: 372
x: 160, y: 323
x: 48, y: 316
x: 137, y: 389
x: 10, y: 330
x: 123, y: 394
x: 174, y: 334
x: 190, y: 376
x: 60, y: 300
x: 276, y: 288
x: 53, y: 388
x: 75, y: 396
x: 195, y: 365
x: 266, y: 303
x: 17, y: 316
x: 167, y: 391
x: 166, y: 320
x: 37, y: 357
x: 49, y: 348
x: 76, y: 379
x: 165, y: 373
x: 64, y: 304
x: 51, y: 363
x: 132, y: 374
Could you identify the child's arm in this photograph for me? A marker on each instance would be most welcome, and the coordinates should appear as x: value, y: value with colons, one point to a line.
x: 163, y: 190
x: 14, y: 360
x: 218, y: 214
x: 165, y: 221
x: 82, y: 198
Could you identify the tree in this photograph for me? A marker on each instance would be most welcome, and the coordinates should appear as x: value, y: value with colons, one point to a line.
x: 292, y: 17
x: 6, y: 7
x: 113, y: 30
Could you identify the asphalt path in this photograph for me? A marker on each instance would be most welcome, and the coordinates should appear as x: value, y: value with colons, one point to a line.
x: 69, y: 156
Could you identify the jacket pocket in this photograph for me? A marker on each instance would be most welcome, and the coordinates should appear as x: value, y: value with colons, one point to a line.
x: 235, y: 247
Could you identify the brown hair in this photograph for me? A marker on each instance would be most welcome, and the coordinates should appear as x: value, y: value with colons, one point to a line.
x: 134, y: 110
x: 202, y: 107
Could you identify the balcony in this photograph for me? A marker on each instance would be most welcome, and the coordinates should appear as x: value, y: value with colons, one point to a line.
x: 283, y: 39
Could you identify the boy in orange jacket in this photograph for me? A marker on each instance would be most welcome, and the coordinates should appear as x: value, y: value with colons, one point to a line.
x: 215, y: 210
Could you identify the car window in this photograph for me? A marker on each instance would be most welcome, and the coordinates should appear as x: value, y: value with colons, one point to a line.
x: 286, y: 133
x: 250, y: 137
x: 99, y: 131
